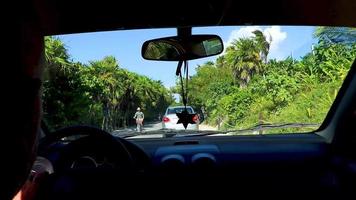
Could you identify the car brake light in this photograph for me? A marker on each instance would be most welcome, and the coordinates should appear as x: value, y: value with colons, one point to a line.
x: 165, y: 119
x: 195, y: 118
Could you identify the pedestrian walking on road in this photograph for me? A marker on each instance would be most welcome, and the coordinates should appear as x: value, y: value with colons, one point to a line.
x: 139, y: 116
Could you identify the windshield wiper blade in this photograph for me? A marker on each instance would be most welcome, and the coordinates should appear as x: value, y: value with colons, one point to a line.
x: 191, y: 133
x: 262, y: 127
x: 163, y: 132
x: 258, y: 128
x: 201, y: 133
x: 170, y: 133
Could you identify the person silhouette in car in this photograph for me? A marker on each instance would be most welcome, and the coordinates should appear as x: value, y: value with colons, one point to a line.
x: 24, y: 99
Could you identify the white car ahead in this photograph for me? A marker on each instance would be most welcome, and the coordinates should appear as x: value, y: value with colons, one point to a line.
x: 170, y: 119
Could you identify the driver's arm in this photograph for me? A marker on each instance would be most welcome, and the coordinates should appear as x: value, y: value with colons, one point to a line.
x: 23, y: 96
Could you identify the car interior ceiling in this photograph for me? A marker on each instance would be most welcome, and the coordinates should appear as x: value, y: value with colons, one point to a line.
x: 322, y: 162
x: 65, y: 17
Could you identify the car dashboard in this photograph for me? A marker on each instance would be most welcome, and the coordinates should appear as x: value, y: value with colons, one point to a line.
x: 295, y: 162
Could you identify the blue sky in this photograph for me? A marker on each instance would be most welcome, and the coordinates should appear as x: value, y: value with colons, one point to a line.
x: 126, y: 46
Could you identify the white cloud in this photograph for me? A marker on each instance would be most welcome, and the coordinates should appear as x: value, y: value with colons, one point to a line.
x: 244, y: 32
x: 271, y: 32
x: 277, y: 36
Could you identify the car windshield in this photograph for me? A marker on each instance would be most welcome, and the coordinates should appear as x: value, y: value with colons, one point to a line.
x: 278, y: 79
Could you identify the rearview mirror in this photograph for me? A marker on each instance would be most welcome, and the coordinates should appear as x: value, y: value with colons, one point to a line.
x: 177, y: 48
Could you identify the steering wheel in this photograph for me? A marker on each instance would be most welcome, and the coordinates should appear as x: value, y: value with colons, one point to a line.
x: 92, y: 141
x: 84, y: 183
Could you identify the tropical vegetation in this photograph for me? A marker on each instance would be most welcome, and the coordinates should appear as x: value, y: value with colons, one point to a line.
x: 243, y: 88
x: 100, y: 93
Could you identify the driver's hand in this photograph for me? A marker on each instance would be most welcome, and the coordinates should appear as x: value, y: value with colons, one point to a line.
x: 41, y: 168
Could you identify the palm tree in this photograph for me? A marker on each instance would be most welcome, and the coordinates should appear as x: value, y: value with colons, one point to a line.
x: 220, y: 62
x: 56, y: 55
x: 262, y: 44
x: 244, y: 59
x: 108, y: 89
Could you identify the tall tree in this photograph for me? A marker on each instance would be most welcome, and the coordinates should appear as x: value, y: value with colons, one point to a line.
x: 246, y: 57
x: 57, y: 58
x: 61, y: 86
x: 262, y: 44
x: 221, y: 61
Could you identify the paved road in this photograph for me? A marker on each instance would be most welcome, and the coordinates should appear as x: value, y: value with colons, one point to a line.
x: 152, y: 126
